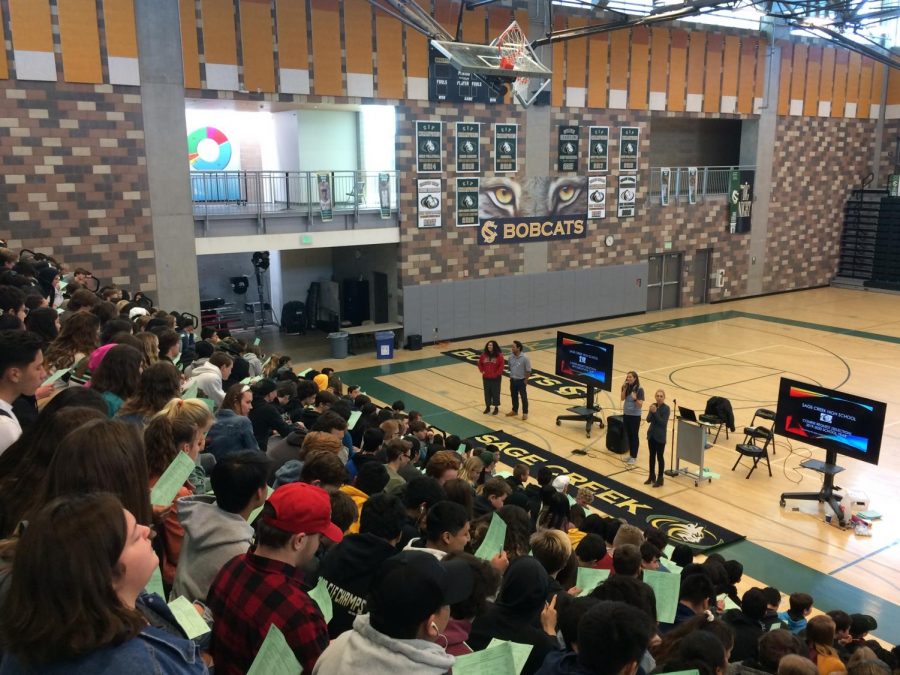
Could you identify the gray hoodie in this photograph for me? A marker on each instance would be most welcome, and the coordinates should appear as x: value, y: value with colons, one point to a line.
x: 365, y: 650
x: 212, y: 537
x: 208, y: 378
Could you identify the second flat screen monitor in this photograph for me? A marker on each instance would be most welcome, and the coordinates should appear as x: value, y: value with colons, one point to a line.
x: 584, y: 360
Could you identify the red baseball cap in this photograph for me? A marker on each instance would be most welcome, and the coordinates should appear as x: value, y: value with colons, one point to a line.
x: 301, y: 508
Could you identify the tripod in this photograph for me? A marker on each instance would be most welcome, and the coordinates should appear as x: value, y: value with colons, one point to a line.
x: 672, y: 471
x: 261, y: 321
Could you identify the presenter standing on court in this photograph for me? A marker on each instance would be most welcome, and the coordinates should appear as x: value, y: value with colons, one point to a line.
x: 658, y: 418
x: 519, y: 372
x: 490, y: 363
x: 632, y: 407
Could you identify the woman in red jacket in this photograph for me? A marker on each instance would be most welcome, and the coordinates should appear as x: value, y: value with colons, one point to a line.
x: 491, y: 366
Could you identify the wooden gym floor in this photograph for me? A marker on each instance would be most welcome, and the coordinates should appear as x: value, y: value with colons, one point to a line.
x: 838, y: 338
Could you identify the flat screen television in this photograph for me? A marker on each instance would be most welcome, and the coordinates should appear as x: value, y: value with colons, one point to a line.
x: 833, y: 420
x: 584, y: 360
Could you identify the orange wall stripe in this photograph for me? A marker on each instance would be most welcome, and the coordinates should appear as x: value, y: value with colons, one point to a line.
x: 326, y: 40
x: 219, y: 39
x: 677, y: 70
x: 498, y: 19
x: 640, y: 66
x: 598, y: 71
x: 522, y: 19
x: 293, y: 47
x: 358, y: 36
x: 893, y: 88
x: 659, y: 59
x: 749, y: 51
x: 30, y: 25
x: 473, y: 26
x: 121, y: 36
x: 762, y: 65
x: 257, y: 45
x: 576, y: 57
x: 190, y: 54
x: 826, y: 77
x: 798, y: 72
x: 731, y: 66
x: 79, y: 37
x: 389, y: 52
x: 712, y: 85
x: 618, y: 59
x: 784, y: 85
x: 854, y: 73
x: 416, y: 53
x: 839, y: 95
x: 447, y: 13
x: 813, y: 72
x: 696, y: 61
x: 4, y: 65
x: 865, y: 89
x: 877, y: 83
x: 558, y: 79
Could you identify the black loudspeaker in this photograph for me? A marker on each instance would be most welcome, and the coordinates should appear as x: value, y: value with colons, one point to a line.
x: 414, y: 342
x: 293, y: 317
x: 616, y: 441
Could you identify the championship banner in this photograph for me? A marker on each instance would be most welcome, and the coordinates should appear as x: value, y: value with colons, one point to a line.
x: 894, y: 185
x: 598, y: 150
x: 506, y: 148
x: 740, y: 201
x: 665, y: 179
x: 326, y: 204
x: 612, y: 497
x: 429, y: 143
x: 627, y: 196
x: 467, y: 202
x: 384, y: 194
x: 629, y: 147
x: 429, y: 202
x: 596, y: 197
x: 692, y: 184
x: 540, y: 208
x: 554, y: 384
x: 468, y: 147
x: 567, y: 157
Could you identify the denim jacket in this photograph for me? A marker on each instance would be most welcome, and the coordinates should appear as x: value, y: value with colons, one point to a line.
x: 230, y: 433
x: 151, y: 652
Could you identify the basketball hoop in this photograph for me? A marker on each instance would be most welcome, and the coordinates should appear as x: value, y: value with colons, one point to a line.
x: 515, y: 53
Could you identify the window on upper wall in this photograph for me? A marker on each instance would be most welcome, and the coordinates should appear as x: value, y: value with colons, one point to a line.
x: 678, y: 141
x: 378, y: 124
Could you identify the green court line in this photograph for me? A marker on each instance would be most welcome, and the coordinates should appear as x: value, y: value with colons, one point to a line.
x: 759, y: 563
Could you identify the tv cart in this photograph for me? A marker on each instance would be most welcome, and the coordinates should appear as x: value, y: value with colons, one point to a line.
x: 827, y: 494
x: 586, y: 413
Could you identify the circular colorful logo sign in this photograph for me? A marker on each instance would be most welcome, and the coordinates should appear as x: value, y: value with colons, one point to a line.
x: 208, y: 149
x: 693, y: 534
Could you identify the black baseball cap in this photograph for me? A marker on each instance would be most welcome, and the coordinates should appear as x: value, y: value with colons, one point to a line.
x: 412, y: 585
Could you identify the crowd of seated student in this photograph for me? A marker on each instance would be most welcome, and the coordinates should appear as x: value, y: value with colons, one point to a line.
x: 385, y: 512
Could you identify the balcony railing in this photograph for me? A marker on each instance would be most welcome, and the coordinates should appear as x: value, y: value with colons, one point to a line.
x: 712, y: 181
x: 264, y: 194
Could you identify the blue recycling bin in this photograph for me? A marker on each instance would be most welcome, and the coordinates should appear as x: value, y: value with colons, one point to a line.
x: 384, y: 344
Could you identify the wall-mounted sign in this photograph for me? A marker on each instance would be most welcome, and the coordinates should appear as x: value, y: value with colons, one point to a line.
x: 598, y: 150
x: 468, y: 147
x: 467, y: 202
x: 428, y: 200
x: 567, y: 157
x: 429, y: 147
x: 629, y: 148
x: 506, y: 148
x: 627, y: 196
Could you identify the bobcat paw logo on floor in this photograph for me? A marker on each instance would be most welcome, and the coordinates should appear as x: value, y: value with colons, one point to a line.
x: 684, y: 531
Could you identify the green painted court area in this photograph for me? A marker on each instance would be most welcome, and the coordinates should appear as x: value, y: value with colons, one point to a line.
x: 759, y: 562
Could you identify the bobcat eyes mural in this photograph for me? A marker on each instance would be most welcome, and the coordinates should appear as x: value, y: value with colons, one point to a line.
x: 540, y: 208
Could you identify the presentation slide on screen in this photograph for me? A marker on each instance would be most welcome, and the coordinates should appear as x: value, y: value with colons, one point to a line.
x: 828, y: 418
x: 579, y: 359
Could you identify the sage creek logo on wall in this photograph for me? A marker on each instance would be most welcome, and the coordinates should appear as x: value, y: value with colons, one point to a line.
x: 540, y: 208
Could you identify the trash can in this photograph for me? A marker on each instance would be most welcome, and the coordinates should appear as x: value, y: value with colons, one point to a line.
x: 384, y: 344
x: 339, y: 343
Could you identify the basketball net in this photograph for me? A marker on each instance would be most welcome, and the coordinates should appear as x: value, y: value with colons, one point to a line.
x: 515, y: 51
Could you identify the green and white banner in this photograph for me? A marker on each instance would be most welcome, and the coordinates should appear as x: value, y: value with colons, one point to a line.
x: 629, y: 148
x: 428, y: 200
x: 567, y: 157
x: 326, y: 199
x: 894, y: 185
x: 506, y: 148
x: 627, y: 197
x: 468, y: 147
x: 384, y: 194
x: 665, y: 185
x: 467, y: 201
x: 596, y: 197
x: 692, y: 184
x: 598, y: 152
x: 429, y: 147
x: 740, y: 200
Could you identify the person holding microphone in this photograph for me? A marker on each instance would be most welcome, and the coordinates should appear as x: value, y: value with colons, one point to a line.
x: 658, y: 418
x: 632, y: 406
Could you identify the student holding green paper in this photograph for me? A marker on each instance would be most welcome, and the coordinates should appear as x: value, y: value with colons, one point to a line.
x: 105, y: 561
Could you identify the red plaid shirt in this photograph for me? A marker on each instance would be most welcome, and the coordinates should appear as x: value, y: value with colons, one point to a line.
x: 251, y: 593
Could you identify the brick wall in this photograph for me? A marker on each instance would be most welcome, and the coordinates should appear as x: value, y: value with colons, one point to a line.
x: 74, y: 178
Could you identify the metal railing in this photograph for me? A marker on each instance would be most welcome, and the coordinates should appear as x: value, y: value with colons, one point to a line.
x: 261, y: 194
x: 712, y: 181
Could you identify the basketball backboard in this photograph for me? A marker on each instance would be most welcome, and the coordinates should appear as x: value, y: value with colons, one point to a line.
x: 485, y: 60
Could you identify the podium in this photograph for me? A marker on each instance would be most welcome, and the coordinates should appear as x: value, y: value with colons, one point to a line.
x: 690, y: 447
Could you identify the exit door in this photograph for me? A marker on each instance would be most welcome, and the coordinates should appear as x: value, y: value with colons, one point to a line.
x: 664, y: 281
